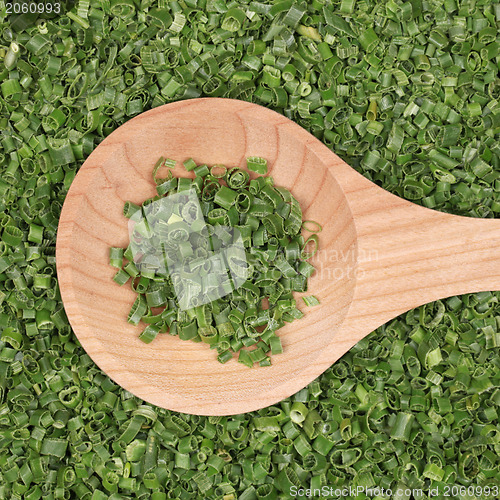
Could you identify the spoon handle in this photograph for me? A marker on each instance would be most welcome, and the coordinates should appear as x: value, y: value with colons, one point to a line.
x: 409, y: 255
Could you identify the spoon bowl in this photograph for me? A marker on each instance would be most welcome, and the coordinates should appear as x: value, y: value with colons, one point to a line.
x: 378, y: 257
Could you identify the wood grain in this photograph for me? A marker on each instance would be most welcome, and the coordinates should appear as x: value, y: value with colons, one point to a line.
x: 379, y: 255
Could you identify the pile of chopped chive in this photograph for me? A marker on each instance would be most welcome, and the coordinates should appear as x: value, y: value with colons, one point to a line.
x: 414, y: 405
x: 273, y: 260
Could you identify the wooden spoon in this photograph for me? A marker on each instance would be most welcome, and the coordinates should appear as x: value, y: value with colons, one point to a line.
x: 379, y: 255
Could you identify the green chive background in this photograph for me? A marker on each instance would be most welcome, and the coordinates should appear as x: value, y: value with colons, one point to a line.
x: 407, y: 92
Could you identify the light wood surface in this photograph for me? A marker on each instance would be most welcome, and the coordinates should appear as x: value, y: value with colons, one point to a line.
x: 379, y: 255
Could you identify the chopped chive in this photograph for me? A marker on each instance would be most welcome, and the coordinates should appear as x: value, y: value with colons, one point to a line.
x: 433, y: 72
x: 311, y: 300
x: 257, y: 164
x: 208, y: 306
x: 189, y: 164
